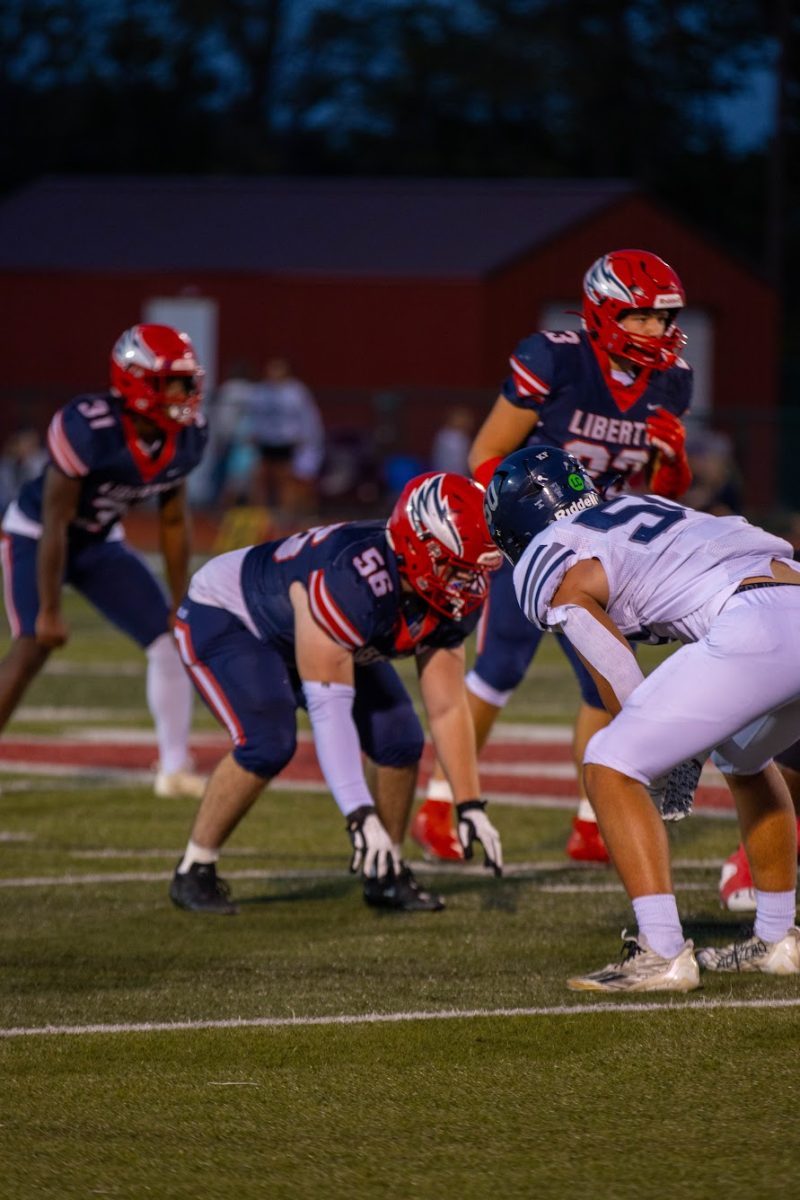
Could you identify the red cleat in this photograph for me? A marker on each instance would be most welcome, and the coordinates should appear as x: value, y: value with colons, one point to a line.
x: 736, y: 890
x: 433, y: 830
x: 585, y: 843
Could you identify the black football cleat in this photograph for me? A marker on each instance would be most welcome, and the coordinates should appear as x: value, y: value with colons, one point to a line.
x: 201, y: 890
x: 401, y: 892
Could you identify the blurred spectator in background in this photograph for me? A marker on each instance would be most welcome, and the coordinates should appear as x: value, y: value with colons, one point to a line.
x: 716, y: 486
x: 22, y: 458
x: 232, y: 458
x: 451, y: 443
x: 351, y: 478
x: 285, y: 426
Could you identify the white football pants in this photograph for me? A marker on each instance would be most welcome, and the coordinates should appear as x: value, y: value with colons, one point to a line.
x: 737, y: 690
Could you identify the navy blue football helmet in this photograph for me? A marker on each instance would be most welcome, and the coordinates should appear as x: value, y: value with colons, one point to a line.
x: 529, y: 490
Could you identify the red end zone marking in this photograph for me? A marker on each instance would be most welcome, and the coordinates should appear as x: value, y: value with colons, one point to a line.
x: 499, y: 754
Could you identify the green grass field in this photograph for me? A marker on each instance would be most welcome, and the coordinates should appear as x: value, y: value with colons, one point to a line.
x: 311, y: 1047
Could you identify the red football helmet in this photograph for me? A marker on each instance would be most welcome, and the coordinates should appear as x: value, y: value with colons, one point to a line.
x: 144, y: 361
x: 625, y: 280
x: 439, y: 534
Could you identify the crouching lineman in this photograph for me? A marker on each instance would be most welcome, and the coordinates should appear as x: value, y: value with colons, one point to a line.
x: 108, y: 451
x: 309, y: 621
x: 644, y: 567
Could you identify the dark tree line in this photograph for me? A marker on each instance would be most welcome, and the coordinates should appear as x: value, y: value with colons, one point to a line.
x: 414, y: 87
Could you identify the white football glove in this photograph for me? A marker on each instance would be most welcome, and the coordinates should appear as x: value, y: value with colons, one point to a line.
x: 475, y: 826
x: 373, y: 854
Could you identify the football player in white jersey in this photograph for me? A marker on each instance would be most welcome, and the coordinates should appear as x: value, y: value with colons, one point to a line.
x: 645, y: 567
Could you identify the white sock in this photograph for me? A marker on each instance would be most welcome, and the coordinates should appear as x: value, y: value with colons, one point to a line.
x: 586, y: 812
x: 169, y: 698
x: 439, y: 789
x: 774, y: 914
x: 658, y: 920
x: 196, y: 854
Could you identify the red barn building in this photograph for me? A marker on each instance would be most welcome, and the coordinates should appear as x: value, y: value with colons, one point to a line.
x: 418, y: 287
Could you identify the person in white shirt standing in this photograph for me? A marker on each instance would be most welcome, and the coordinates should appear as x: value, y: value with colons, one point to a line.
x: 286, y: 428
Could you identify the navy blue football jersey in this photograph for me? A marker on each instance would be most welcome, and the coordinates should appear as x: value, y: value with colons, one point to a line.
x: 354, y: 591
x: 557, y: 375
x: 92, y: 439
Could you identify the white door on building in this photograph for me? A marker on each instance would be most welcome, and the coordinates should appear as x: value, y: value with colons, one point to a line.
x: 197, y: 316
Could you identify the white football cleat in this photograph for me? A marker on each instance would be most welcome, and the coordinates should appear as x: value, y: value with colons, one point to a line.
x: 169, y: 785
x: 752, y: 954
x: 642, y: 970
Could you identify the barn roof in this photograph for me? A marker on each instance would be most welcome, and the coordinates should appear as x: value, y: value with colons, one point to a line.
x: 353, y: 227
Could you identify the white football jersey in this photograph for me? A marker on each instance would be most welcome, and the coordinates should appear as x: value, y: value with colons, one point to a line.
x: 669, y: 569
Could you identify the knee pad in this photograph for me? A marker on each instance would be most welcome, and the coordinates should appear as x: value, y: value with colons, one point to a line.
x: 265, y: 757
x: 397, y: 738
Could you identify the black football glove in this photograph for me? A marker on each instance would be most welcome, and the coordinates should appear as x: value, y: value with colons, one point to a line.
x: 475, y: 826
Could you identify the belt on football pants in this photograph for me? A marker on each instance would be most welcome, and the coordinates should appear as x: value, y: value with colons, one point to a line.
x: 749, y: 587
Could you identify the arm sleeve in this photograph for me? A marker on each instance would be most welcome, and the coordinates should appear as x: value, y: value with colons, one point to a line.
x: 610, y: 657
x: 330, y: 709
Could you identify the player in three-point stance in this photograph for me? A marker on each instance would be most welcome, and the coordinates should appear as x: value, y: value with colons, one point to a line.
x: 312, y: 621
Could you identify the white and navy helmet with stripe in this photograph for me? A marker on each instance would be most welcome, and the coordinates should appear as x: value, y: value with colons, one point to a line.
x: 530, y: 490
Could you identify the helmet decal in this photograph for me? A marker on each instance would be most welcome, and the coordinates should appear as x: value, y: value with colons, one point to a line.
x: 600, y: 283
x: 430, y: 515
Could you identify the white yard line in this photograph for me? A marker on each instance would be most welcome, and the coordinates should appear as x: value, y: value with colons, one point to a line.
x: 66, y: 713
x: 449, y: 1014
x: 69, y: 777
x: 602, y: 880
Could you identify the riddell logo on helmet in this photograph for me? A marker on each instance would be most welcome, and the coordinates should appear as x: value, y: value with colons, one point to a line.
x: 588, y: 501
x: 668, y: 300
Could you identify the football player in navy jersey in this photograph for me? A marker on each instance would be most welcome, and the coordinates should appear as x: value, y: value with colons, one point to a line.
x: 612, y: 395
x: 312, y: 621
x: 109, y: 451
